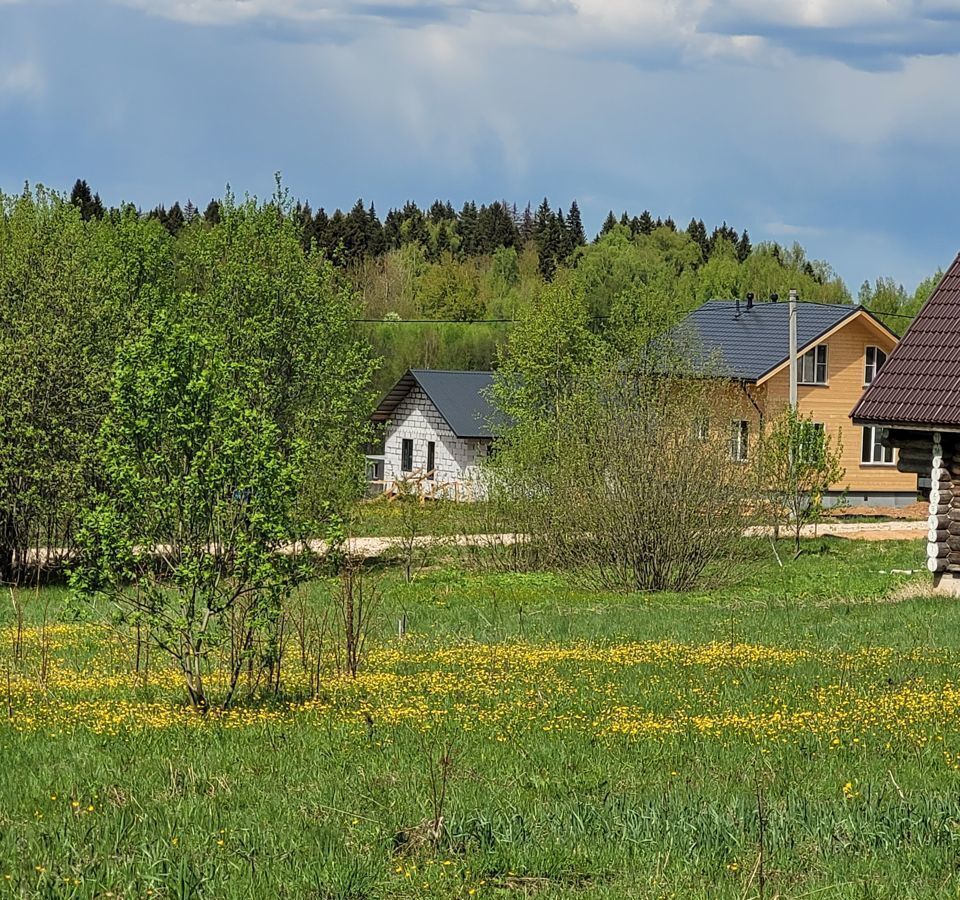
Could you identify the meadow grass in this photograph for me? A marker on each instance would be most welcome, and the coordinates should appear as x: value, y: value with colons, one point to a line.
x: 786, y: 732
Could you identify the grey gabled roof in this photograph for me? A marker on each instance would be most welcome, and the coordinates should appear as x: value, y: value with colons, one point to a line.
x: 748, y: 345
x: 462, y: 398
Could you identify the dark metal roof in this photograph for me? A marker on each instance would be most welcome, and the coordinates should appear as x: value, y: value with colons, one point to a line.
x: 462, y: 398
x: 919, y: 383
x: 749, y: 345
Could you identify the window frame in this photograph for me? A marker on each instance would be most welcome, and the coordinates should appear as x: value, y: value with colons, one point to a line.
x: 740, y: 440
x: 814, y: 354
x: 406, y: 455
x: 872, y: 369
x: 874, y: 445
x: 815, y: 437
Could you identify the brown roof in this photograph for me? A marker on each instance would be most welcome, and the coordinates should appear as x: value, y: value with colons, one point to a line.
x: 919, y: 385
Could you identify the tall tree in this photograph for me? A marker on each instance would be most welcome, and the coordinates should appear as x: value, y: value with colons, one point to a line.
x: 578, y: 237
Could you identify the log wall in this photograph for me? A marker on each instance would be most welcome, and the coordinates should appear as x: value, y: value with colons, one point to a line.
x: 937, y: 456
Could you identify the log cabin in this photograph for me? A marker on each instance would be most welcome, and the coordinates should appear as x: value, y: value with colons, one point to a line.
x: 914, y: 403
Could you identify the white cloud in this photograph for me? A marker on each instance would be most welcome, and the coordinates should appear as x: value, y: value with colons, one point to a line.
x: 21, y: 80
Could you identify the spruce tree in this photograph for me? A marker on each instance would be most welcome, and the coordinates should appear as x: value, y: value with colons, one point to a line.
x: 467, y: 229
x: 744, y: 247
x: 318, y: 231
x: 575, y: 227
x: 526, y: 226
x: 174, y: 221
x: 646, y: 222
x: 211, y: 215
x: 609, y: 223
x: 392, y: 229
x: 83, y: 199
x: 374, y: 233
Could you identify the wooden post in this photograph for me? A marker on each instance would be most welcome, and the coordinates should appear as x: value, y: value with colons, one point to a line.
x: 793, y: 348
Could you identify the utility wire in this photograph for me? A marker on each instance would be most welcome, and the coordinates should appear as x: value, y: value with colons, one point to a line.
x: 514, y: 321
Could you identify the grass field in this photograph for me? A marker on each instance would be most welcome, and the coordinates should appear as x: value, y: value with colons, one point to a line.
x: 790, y: 732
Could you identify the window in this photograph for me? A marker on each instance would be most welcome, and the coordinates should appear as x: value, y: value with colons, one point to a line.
x: 872, y: 451
x: 739, y: 444
x: 811, y: 444
x: 406, y: 455
x: 431, y: 458
x: 812, y: 367
x: 875, y: 359
x: 701, y: 428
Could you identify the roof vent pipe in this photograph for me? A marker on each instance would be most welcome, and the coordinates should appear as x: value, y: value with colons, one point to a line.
x: 749, y: 299
x: 774, y: 298
x: 738, y: 309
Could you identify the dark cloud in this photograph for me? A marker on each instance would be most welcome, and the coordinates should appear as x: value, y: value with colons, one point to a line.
x: 870, y: 42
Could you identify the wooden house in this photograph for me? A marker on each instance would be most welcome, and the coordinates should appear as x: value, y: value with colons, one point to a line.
x: 914, y: 403
x: 841, y: 348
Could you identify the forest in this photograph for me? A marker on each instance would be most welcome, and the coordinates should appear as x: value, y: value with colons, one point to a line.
x: 439, y: 287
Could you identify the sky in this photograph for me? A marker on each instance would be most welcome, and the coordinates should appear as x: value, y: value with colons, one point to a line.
x: 835, y: 123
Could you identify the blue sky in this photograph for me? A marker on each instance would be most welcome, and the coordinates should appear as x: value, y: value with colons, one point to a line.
x: 832, y: 123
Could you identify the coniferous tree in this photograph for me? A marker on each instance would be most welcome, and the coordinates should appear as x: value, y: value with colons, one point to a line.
x: 575, y: 227
x: 441, y: 243
x: 393, y: 230
x: 609, y: 223
x: 88, y: 203
x: 355, y: 232
x: 698, y: 234
x: 189, y: 212
x: 174, y: 221
x: 318, y: 230
x: 413, y: 229
x: 374, y: 233
x: 526, y: 226
x: 336, y: 231
x: 467, y: 229
x: 211, y: 215
x: 744, y: 247
x: 625, y: 219
x: 646, y: 222
x: 496, y: 227
x: 303, y: 216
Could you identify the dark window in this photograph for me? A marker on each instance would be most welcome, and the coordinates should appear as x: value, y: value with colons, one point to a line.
x: 872, y: 450
x: 406, y: 455
x: 813, y: 366
x: 431, y: 458
x: 812, y: 443
x: 739, y: 440
x: 875, y: 359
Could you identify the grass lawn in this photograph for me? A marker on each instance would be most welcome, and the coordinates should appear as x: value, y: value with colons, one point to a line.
x: 788, y: 732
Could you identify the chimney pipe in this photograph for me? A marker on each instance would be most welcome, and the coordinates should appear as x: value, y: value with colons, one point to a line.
x: 749, y: 299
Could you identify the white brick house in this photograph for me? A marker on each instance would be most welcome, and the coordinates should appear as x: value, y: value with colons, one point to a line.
x: 437, y: 426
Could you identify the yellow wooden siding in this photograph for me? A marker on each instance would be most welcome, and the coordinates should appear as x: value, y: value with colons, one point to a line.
x: 831, y: 404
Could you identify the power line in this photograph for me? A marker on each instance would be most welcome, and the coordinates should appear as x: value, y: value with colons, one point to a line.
x: 435, y: 321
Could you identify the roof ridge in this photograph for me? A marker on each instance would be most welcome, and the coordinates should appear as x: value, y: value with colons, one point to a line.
x: 456, y: 371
